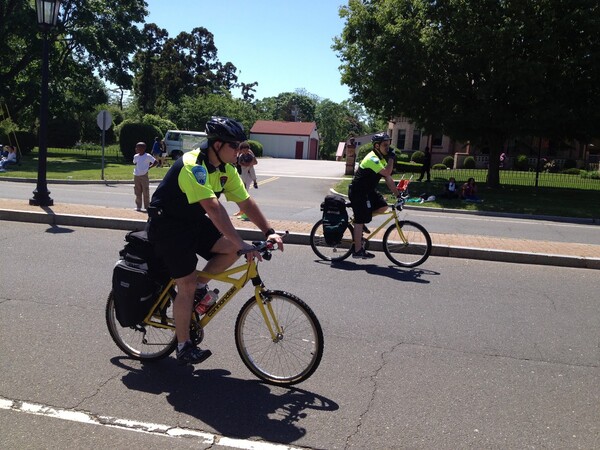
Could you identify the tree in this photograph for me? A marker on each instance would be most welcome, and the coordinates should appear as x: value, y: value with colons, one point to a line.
x: 193, y: 112
x: 483, y: 71
x: 92, y: 40
x: 288, y: 106
x: 147, y: 67
x: 168, y: 69
x: 335, y: 123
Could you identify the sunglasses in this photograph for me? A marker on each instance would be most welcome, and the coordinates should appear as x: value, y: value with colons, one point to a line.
x: 234, y: 145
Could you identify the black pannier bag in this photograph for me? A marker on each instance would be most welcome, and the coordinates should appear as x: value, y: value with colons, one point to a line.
x: 138, y: 278
x: 335, y: 218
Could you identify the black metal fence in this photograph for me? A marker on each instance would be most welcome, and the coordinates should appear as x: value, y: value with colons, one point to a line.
x: 585, y: 180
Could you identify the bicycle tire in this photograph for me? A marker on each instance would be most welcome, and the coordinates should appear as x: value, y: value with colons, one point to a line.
x: 295, y: 355
x: 411, y: 253
x: 328, y: 252
x: 143, y: 342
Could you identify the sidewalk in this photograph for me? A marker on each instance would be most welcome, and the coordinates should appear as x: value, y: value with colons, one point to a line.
x: 448, y: 245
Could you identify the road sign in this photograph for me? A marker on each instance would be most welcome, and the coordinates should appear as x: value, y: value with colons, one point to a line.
x: 104, y: 120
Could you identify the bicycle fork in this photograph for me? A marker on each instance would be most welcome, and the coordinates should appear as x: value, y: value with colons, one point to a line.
x: 401, y: 233
x: 266, y: 309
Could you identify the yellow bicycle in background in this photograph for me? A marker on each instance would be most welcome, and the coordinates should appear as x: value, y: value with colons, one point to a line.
x: 405, y: 243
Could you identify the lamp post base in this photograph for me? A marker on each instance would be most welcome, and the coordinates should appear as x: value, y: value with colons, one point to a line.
x: 41, y: 199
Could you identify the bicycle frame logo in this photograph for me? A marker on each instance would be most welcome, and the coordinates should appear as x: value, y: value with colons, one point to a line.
x: 221, y: 302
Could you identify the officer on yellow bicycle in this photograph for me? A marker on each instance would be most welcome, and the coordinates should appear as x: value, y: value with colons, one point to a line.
x: 186, y: 219
x: 362, y: 192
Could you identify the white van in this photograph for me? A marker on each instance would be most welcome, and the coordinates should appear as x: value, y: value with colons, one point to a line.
x: 180, y: 141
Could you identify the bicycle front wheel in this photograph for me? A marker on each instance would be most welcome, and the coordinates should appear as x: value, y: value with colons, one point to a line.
x: 143, y: 341
x: 328, y: 252
x: 408, y: 245
x: 293, y: 353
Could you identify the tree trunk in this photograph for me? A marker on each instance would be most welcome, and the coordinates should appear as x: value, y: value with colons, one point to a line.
x: 496, y: 146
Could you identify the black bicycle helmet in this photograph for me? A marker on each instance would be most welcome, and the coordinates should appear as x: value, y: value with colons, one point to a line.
x: 225, y: 129
x: 380, y: 137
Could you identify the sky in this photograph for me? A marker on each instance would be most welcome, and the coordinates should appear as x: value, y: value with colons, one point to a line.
x: 283, y: 45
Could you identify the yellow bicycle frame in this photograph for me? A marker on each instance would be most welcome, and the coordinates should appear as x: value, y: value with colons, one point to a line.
x: 393, y: 213
x: 248, y: 271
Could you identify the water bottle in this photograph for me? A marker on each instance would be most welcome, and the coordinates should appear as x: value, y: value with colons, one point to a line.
x: 209, y: 299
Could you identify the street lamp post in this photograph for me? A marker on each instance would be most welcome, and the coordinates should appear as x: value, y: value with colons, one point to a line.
x: 47, y: 16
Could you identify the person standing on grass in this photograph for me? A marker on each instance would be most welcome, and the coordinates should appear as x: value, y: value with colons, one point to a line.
x: 142, y: 162
x: 157, y: 151
x: 426, y: 168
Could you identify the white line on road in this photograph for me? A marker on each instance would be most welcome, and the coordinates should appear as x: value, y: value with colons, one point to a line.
x: 140, y: 427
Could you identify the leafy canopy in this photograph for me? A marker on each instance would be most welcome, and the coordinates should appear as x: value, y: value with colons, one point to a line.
x: 482, y: 70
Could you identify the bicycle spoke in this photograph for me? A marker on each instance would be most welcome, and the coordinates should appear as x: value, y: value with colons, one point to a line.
x: 294, y: 354
x: 327, y: 251
x: 143, y: 341
x: 407, y: 244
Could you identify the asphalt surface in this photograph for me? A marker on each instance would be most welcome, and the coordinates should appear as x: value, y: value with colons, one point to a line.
x: 522, y: 251
x: 447, y: 244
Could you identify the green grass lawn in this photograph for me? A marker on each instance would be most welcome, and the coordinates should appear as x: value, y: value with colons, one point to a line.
x: 80, y: 165
x: 563, y: 201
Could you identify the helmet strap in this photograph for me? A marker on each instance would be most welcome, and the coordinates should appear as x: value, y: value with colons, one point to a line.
x: 221, y: 163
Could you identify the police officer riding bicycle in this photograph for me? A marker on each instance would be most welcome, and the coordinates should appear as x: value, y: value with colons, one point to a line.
x: 362, y: 192
x: 187, y: 219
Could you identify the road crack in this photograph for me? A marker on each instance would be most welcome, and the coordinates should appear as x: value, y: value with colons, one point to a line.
x: 373, y: 379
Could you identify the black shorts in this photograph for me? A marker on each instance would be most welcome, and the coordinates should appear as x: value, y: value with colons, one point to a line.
x: 178, y: 242
x: 364, y: 203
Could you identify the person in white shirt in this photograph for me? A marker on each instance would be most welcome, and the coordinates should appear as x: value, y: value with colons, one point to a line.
x: 142, y: 162
x: 11, y: 158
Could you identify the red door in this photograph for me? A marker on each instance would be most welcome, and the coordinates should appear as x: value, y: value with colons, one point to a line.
x: 299, y: 149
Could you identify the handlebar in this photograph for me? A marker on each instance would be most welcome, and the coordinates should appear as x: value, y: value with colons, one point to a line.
x: 265, y: 248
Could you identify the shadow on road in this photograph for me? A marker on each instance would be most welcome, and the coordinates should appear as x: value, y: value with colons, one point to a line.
x: 55, y: 229
x: 413, y: 275
x: 231, y: 406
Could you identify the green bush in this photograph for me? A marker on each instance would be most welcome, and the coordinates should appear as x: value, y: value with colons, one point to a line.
x: 439, y: 166
x: 469, y: 163
x: 448, y: 161
x: 569, y: 164
x: 63, y: 132
x: 132, y: 133
x: 403, y: 157
x: 592, y: 174
x: 522, y: 163
x: 256, y: 147
x: 402, y: 167
x: 571, y: 171
x: 363, y: 150
x: 162, y: 124
x: 418, y: 157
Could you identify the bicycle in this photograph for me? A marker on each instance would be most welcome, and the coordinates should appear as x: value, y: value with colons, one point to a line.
x: 277, y: 335
x: 405, y: 243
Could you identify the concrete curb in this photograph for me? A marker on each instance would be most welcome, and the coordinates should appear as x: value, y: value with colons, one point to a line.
x: 303, y: 239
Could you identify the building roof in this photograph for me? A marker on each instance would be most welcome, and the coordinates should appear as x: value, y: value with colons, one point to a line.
x: 283, y: 128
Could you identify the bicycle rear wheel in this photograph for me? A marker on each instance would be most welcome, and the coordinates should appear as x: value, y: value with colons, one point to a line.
x: 327, y: 252
x: 294, y: 354
x: 409, y: 247
x: 143, y: 341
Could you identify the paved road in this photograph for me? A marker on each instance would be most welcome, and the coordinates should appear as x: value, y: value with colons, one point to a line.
x: 293, y: 190
x: 454, y: 354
